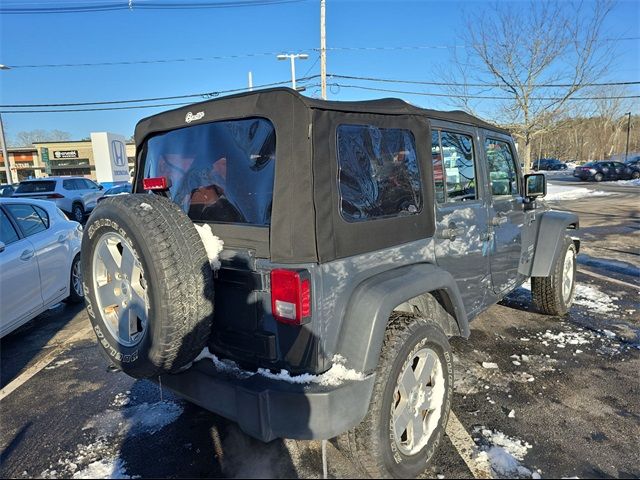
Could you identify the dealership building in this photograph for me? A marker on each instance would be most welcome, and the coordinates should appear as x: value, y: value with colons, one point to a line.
x: 83, y: 158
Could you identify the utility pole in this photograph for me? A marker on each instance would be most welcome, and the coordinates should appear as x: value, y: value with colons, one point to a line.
x: 626, y: 154
x: 5, y: 155
x: 323, y: 50
x: 292, y: 57
x: 250, y: 81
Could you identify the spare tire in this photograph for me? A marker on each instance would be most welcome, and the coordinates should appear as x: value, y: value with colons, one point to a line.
x: 148, y: 284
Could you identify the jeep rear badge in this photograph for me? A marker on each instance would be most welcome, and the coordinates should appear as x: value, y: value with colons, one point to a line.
x: 191, y: 117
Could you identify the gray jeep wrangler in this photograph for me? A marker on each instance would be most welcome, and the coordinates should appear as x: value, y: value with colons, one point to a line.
x: 358, y: 237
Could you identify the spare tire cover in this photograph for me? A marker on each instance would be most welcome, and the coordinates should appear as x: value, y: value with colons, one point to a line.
x: 148, y: 284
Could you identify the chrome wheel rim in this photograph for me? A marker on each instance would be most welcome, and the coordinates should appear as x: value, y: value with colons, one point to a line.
x: 567, y: 275
x: 121, y: 290
x: 76, y: 278
x: 417, y: 401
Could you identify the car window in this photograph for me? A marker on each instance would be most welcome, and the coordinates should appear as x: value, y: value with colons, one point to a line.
x: 27, y: 219
x: 619, y: 165
x: 89, y: 184
x: 459, y: 166
x: 37, y: 186
x: 503, y: 176
x: 438, y: 172
x: 69, y: 185
x: 8, y: 234
x: 220, y: 171
x: 378, y: 174
x: 44, y: 216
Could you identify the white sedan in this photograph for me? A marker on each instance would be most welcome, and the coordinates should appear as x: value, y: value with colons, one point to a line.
x: 39, y: 260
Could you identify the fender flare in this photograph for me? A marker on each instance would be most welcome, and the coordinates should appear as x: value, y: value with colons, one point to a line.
x: 372, y: 302
x: 551, y: 233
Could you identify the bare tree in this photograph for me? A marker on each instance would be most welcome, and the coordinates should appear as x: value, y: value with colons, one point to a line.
x: 539, y: 57
x: 26, y: 138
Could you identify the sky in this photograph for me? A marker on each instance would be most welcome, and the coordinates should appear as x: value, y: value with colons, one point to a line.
x: 363, y: 38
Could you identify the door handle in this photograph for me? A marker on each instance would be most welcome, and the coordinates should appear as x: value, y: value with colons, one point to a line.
x: 451, y: 233
x: 499, y: 220
x: 27, y: 254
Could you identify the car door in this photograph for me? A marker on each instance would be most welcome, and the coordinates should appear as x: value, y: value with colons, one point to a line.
x: 506, y: 212
x: 92, y: 193
x: 52, y: 249
x: 20, y: 294
x: 621, y: 171
x: 461, y: 212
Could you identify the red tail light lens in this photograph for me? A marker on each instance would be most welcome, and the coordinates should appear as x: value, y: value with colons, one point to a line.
x: 156, y: 183
x: 55, y: 195
x: 291, y: 296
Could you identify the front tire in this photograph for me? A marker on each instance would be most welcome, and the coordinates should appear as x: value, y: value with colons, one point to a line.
x: 553, y: 295
x: 635, y: 175
x: 410, y: 403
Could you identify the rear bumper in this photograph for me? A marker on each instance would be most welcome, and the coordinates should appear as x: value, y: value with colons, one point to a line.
x: 267, y: 409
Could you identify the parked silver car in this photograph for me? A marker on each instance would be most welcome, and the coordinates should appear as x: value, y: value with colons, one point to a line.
x: 39, y: 260
x: 76, y: 196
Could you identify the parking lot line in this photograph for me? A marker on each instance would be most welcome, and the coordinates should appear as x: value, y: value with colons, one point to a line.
x: 608, y: 279
x: 466, y: 447
x: 40, y: 364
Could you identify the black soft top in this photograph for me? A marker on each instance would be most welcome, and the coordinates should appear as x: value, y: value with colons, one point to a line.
x: 305, y: 223
x: 384, y: 106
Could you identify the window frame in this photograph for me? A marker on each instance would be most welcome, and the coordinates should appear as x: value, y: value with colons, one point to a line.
x: 13, y: 224
x: 469, y: 131
x: 420, y: 176
x: 514, y: 161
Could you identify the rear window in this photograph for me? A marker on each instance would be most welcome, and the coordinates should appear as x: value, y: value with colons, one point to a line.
x: 37, y: 187
x: 220, y: 171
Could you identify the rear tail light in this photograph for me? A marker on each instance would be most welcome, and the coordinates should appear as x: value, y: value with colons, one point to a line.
x: 156, y: 183
x: 291, y: 296
x: 55, y: 195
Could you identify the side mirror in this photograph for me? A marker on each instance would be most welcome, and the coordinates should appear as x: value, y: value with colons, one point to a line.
x: 535, y: 185
x: 2, y: 247
x: 101, y: 187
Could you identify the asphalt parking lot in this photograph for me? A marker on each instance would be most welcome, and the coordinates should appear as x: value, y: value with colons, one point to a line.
x: 562, y: 396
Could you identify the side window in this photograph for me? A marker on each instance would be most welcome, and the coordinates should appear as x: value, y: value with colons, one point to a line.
x: 8, y: 234
x: 69, y: 184
x: 90, y: 185
x: 438, y: 172
x: 27, y: 219
x: 503, y: 176
x: 378, y: 172
x: 459, y: 166
x: 44, y: 216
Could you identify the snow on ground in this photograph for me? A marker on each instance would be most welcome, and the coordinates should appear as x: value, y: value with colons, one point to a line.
x: 59, y: 363
x: 503, y: 453
x: 101, y: 459
x: 635, y: 183
x: 335, y: 376
x: 595, y: 300
x: 212, y: 244
x: 561, y: 192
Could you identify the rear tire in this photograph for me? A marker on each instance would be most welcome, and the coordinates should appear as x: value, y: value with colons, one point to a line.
x: 376, y: 446
x: 598, y: 177
x: 148, y: 284
x: 76, y: 290
x: 553, y: 295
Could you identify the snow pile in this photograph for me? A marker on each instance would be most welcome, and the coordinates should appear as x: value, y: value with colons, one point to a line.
x: 594, y: 299
x: 335, y: 376
x: 105, y: 468
x: 146, y: 418
x: 212, y: 244
x: 503, y: 453
x: 559, y: 193
x: 635, y: 182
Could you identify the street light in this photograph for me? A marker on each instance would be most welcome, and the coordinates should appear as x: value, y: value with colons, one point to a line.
x: 292, y: 57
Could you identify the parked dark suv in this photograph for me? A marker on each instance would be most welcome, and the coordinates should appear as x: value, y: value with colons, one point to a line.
x: 548, y: 164
x: 358, y: 238
x: 600, y: 171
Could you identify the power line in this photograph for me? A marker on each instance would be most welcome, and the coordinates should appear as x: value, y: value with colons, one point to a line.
x: 139, y: 5
x: 153, y: 99
x: 485, y: 85
x: 479, y: 97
